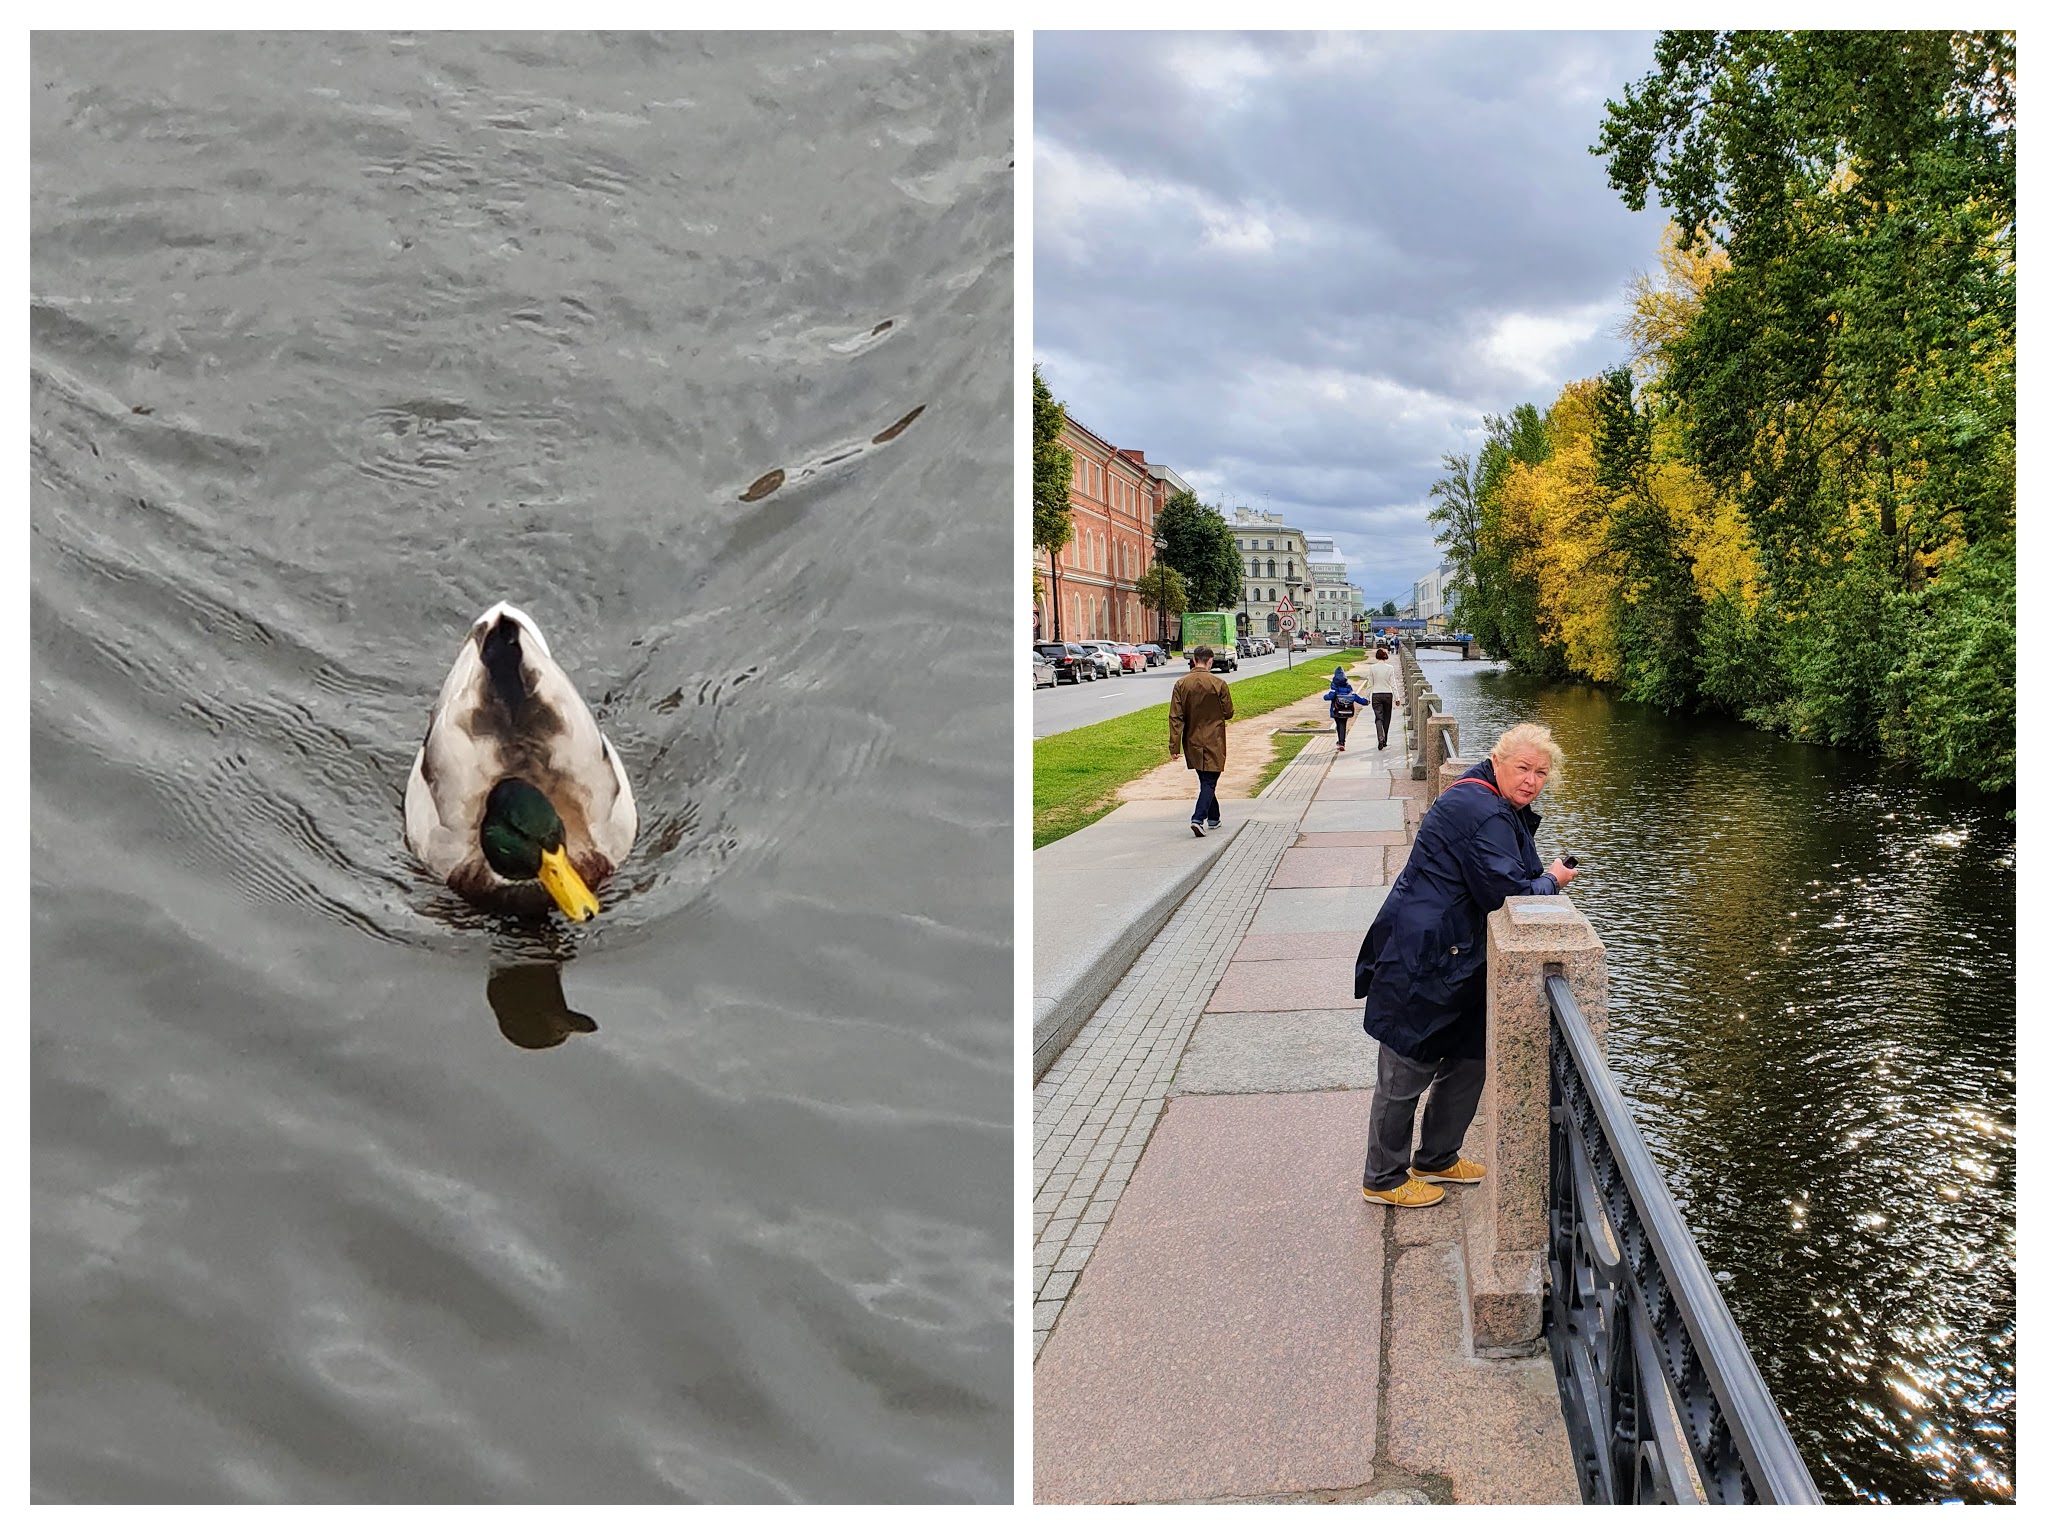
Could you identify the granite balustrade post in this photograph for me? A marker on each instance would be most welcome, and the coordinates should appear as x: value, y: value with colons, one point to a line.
x: 1433, y: 754
x: 1506, y: 1224
x: 1420, y: 703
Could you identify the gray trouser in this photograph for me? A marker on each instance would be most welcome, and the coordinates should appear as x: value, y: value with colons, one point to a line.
x: 1451, y: 1107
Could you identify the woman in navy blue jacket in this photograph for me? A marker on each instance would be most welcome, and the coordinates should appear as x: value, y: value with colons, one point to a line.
x: 1421, y: 969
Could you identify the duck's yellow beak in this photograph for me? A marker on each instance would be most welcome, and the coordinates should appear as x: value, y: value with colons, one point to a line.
x: 567, y: 887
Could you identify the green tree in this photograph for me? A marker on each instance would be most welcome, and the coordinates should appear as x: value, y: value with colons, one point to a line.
x: 1051, y: 502
x: 1849, y: 378
x: 1506, y: 621
x: 1863, y: 187
x: 1161, y: 590
x: 1662, y: 612
x: 1203, y: 550
x: 1390, y: 610
x: 1459, y: 519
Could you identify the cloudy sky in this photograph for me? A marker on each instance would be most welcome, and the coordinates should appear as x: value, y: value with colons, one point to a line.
x: 1299, y: 268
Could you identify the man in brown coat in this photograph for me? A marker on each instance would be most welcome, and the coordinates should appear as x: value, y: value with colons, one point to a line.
x: 1201, y: 711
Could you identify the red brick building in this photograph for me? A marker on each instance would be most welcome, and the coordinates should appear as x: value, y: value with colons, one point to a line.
x: 1115, y: 500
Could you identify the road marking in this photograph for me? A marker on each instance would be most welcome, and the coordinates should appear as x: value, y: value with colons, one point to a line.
x: 1116, y: 694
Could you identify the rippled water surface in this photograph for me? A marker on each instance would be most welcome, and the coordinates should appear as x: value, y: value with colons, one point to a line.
x: 700, y: 351
x: 1812, y: 959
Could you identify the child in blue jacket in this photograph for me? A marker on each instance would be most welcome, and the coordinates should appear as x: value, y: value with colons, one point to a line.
x: 1342, y: 707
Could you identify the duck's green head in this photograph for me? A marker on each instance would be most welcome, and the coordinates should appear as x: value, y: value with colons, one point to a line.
x: 522, y: 839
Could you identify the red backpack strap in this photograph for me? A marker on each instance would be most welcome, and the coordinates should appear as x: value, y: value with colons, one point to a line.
x: 1488, y: 788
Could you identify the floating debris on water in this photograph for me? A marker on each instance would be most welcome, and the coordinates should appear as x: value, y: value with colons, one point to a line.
x: 896, y: 430
x: 774, y: 479
x: 763, y: 487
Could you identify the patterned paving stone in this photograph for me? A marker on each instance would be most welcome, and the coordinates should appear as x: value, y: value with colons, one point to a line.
x: 1318, y: 911
x: 1294, y: 1052
x: 1354, y: 815
x: 1297, y: 946
x: 1276, y: 985
x: 1374, y: 787
x: 1224, y: 1339
x: 1351, y: 838
x: 1450, y: 1413
x: 1302, y: 867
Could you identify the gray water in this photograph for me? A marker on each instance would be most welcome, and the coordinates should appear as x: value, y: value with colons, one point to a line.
x: 1814, y: 1019
x: 336, y: 341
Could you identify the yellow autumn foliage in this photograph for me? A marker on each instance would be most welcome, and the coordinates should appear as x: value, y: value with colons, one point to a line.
x: 1709, y: 529
x: 1662, y: 310
x: 1553, y: 514
x: 1556, y: 518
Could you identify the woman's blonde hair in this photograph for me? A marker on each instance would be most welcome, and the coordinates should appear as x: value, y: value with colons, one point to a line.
x: 1530, y: 737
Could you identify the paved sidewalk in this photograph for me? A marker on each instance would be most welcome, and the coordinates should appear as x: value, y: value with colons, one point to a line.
x: 1219, y: 1316
x: 1096, y: 1105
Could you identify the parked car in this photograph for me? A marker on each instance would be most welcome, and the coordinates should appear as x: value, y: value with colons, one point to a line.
x: 1042, y: 673
x: 1069, y: 662
x: 1153, y: 655
x: 1105, y: 656
x: 1133, y: 658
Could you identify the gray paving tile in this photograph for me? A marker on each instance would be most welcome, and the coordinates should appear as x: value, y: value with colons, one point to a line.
x: 1293, y: 1052
x: 1353, y: 815
x: 1319, y: 909
x: 1226, y: 1340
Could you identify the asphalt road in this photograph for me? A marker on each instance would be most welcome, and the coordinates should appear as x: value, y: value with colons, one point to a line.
x: 1069, y: 706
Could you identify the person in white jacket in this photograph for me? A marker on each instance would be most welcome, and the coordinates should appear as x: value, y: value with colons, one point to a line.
x: 1382, y: 683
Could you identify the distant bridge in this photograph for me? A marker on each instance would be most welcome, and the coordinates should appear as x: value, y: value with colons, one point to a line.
x: 1462, y: 642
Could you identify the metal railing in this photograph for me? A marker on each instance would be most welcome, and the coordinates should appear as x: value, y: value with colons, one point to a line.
x: 1661, y: 1398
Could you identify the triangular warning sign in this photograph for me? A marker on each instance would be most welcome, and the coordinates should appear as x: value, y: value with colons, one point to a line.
x: 1285, y: 605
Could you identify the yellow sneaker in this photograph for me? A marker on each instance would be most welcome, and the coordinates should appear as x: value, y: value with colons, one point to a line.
x: 1411, y: 1195
x: 1462, y: 1170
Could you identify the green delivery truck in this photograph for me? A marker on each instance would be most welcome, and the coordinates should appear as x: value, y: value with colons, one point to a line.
x: 1215, y: 630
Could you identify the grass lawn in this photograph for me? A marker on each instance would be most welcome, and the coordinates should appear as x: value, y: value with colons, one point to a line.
x: 1075, y: 774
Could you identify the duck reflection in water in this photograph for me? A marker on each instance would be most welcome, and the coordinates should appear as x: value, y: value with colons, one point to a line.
x: 531, y: 1011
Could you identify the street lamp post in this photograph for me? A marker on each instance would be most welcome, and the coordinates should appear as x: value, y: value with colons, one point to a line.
x: 1164, y: 639
x: 1292, y: 585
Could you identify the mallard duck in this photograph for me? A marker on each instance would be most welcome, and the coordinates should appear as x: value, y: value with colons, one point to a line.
x: 514, y: 783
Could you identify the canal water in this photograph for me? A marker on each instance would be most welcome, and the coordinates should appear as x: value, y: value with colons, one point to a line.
x: 1814, y: 1021
x: 700, y: 350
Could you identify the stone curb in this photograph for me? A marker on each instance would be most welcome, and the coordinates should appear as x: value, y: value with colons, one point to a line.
x: 1057, y: 1019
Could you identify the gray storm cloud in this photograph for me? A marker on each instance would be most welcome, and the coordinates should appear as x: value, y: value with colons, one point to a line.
x: 1301, y: 267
